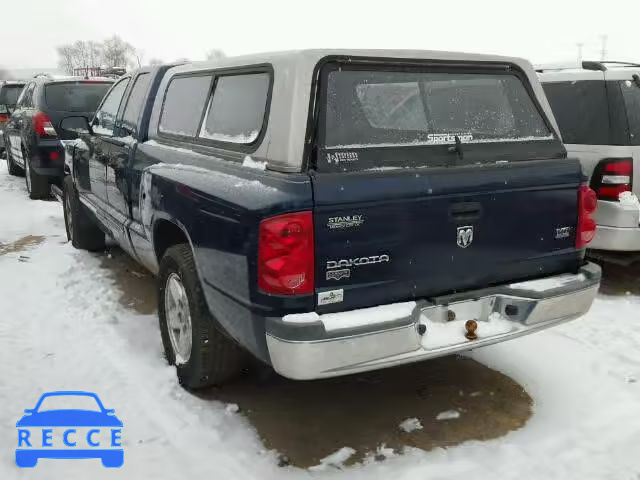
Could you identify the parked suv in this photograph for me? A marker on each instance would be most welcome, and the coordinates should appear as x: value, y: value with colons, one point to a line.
x: 33, y: 136
x: 597, y: 107
x: 331, y: 212
x: 9, y: 93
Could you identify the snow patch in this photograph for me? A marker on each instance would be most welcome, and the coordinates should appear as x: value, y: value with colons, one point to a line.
x: 410, y: 425
x: 251, y: 163
x: 355, y: 318
x: 629, y: 199
x: 448, y: 415
x: 549, y: 283
x: 336, y: 459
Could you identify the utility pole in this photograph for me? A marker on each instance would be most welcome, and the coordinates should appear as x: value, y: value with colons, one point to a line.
x: 579, y: 45
x: 603, y: 50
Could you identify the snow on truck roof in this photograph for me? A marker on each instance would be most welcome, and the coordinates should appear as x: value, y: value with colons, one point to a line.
x: 283, y: 143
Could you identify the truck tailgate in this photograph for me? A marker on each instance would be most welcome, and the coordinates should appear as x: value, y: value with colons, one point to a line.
x: 400, y: 234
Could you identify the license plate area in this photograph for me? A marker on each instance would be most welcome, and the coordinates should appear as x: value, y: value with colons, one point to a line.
x: 445, y: 325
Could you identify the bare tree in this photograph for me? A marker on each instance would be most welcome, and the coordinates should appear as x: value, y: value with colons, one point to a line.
x: 215, y: 54
x: 116, y: 52
x: 90, y: 56
x: 80, y: 54
x: 66, y: 58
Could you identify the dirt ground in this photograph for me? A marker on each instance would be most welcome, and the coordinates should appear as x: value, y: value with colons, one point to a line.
x: 21, y: 244
x: 306, y: 421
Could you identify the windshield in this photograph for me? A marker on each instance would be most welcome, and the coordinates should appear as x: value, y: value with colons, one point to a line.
x: 75, y: 97
x: 69, y: 402
x: 9, y: 94
x: 391, y: 108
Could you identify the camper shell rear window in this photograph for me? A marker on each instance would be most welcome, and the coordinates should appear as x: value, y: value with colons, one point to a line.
x: 382, y: 117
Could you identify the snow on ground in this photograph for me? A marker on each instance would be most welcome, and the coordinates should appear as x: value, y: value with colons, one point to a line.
x: 62, y: 327
x: 410, y: 425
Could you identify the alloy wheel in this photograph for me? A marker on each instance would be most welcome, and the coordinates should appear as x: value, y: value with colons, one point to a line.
x: 178, y: 316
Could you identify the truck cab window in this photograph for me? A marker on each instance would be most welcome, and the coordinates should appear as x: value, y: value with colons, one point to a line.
x: 236, y: 110
x: 183, y: 105
x: 105, y: 118
x: 135, y: 104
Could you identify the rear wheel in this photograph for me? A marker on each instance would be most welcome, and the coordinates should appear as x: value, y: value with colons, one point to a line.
x: 193, y: 342
x: 82, y: 231
x: 14, y: 169
x: 37, y: 185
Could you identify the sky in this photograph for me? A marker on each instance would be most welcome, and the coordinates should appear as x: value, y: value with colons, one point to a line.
x: 540, y: 30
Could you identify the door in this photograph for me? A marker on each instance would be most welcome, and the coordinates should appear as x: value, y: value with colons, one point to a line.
x: 17, y: 123
x: 121, y: 148
x: 122, y: 145
x: 92, y: 153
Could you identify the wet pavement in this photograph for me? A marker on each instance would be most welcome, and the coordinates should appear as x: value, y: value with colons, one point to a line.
x: 21, y: 244
x: 620, y: 280
x: 306, y: 421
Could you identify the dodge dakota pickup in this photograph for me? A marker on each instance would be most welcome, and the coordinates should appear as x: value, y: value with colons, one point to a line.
x: 336, y: 211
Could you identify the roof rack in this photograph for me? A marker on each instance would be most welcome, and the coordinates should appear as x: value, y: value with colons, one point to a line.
x: 599, y: 66
x: 621, y: 64
x: 591, y: 65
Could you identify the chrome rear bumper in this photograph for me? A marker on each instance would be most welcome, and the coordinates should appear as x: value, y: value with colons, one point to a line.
x: 312, y: 346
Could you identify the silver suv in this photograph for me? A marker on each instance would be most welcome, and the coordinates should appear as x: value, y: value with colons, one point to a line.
x: 597, y: 107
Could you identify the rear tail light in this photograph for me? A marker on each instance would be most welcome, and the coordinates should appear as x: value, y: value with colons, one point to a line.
x: 587, y: 204
x: 54, y: 155
x: 611, y: 177
x: 43, y: 126
x: 286, y: 254
x: 4, y: 118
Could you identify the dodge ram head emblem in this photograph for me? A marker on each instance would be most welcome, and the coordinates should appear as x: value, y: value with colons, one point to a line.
x: 465, y: 236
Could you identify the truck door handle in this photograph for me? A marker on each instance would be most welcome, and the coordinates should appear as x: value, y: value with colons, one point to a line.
x: 465, y: 211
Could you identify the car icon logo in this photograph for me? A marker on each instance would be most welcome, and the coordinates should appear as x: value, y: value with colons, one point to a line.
x: 89, y: 431
x: 465, y: 236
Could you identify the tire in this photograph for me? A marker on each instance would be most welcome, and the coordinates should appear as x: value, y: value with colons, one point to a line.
x: 14, y: 169
x: 37, y: 185
x: 213, y: 357
x: 82, y: 231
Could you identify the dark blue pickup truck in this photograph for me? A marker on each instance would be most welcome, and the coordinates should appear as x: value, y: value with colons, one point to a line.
x: 332, y: 211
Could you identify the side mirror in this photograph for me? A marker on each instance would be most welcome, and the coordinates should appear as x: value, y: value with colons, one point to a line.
x: 77, y: 125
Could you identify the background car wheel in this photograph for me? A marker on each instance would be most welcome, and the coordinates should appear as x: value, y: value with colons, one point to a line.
x: 37, y: 185
x: 82, y: 231
x: 193, y: 342
x: 14, y: 169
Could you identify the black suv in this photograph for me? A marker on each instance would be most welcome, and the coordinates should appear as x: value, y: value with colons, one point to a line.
x: 35, y: 143
x: 9, y: 93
